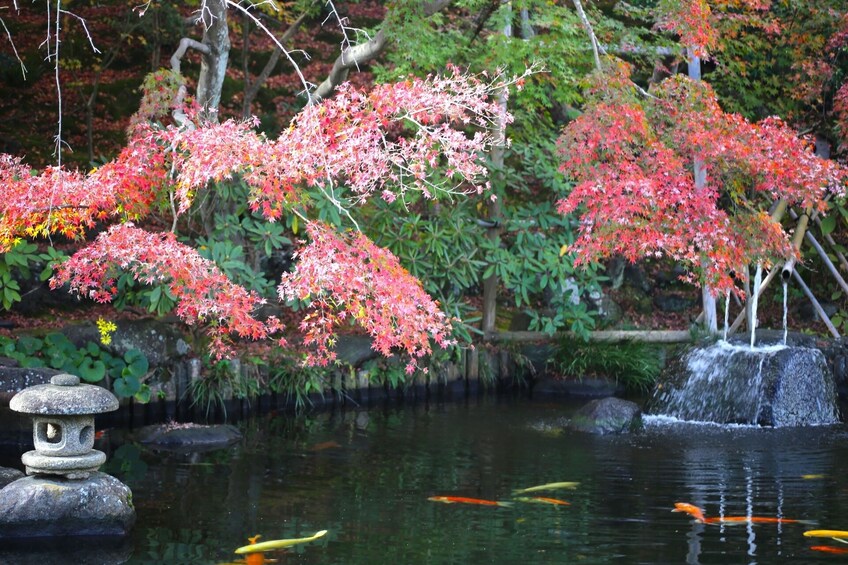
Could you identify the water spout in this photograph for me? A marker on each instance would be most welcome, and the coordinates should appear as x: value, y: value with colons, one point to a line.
x: 726, y: 314
x: 754, y: 298
x: 785, y: 326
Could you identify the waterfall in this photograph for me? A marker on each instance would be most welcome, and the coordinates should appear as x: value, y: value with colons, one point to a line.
x: 776, y: 385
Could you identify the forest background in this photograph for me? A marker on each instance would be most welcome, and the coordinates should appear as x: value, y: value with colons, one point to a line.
x: 492, y: 263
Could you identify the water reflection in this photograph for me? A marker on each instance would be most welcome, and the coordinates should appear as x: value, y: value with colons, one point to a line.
x: 367, y: 476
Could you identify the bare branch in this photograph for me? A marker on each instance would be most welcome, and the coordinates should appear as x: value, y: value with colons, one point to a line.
x: 84, y: 27
x: 252, y: 90
x: 588, y: 26
x: 14, y: 49
x: 356, y: 55
x: 306, y: 84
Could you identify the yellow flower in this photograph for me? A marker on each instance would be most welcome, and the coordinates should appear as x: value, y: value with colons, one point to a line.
x: 106, y: 330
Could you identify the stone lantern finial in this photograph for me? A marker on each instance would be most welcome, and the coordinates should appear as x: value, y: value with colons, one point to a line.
x: 63, y: 426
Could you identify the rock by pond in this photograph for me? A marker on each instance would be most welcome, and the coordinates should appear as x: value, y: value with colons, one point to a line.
x: 43, y: 506
x: 14, y: 379
x: 8, y: 475
x: 732, y: 383
x: 188, y: 437
x: 162, y: 343
x: 607, y: 416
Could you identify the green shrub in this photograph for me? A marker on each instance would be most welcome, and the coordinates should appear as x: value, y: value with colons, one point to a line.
x: 90, y: 363
x: 634, y: 364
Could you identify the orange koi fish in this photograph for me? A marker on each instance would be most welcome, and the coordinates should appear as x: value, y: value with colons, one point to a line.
x: 325, y: 445
x: 698, y: 515
x: 830, y: 549
x: 465, y: 500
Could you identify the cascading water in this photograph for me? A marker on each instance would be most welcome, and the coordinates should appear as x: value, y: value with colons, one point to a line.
x: 776, y: 385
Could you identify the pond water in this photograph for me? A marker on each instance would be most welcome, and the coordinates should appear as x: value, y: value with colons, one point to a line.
x: 366, y: 476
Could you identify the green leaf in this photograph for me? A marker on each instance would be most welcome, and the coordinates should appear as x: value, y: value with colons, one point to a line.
x: 126, y: 386
x: 143, y: 395
x: 91, y: 371
x: 828, y: 223
x: 137, y: 364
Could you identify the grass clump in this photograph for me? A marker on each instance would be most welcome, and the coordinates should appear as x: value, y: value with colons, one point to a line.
x: 635, y: 365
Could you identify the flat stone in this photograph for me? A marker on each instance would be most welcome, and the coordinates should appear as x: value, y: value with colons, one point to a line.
x: 38, y: 507
x: 188, y: 437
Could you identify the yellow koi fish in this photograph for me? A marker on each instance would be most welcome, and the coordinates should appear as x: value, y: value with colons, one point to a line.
x: 277, y: 543
x: 838, y: 535
x: 549, y: 486
x: 543, y: 500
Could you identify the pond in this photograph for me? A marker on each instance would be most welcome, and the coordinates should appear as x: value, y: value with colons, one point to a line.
x: 367, y: 476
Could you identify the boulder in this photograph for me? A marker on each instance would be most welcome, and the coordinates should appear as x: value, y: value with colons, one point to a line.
x: 8, y: 475
x: 15, y: 379
x: 607, y: 416
x: 770, y: 386
x: 188, y: 437
x: 41, y: 506
x: 159, y: 341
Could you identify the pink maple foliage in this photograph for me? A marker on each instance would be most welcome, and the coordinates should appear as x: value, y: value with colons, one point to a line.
x: 696, y: 22
x: 632, y: 162
x: 205, y: 295
x: 346, y: 277
x: 426, y: 135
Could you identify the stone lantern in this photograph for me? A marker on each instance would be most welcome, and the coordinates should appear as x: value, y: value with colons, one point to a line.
x: 65, y: 494
x: 63, y: 426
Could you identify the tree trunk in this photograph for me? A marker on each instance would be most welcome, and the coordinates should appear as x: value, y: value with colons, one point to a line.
x: 490, y: 284
x: 707, y: 297
x: 213, y: 64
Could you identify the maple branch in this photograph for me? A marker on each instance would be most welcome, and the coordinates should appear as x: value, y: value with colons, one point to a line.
x: 14, y: 49
x: 588, y: 26
x: 253, y: 89
x: 360, y: 54
x: 186, y: 42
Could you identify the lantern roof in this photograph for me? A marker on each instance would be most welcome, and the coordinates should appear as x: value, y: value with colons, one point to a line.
x: 64, y: 396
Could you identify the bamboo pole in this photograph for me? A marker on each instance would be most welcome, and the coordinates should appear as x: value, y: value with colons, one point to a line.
x: 819, y: 310
x: 828, y: 263
x: 741, y: 317
x: 830, y: 241
x: 797, y: 239
x: 609, y: 336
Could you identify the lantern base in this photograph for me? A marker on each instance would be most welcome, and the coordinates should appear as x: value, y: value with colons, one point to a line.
x: 39, y: 507
x: 71, y: 467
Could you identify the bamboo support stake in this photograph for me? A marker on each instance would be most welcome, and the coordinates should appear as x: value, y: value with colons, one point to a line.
x: 797, y: 239
x: 828, y: 263
x: 609, y: 336
x: 827, y: 237
x: 819, y: 310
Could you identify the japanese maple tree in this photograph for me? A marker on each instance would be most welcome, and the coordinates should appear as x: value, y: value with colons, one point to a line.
x: 631, y: 156
x: 424, y: 135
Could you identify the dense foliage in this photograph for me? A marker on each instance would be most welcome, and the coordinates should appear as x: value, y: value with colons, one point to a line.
x: 592, y: 156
